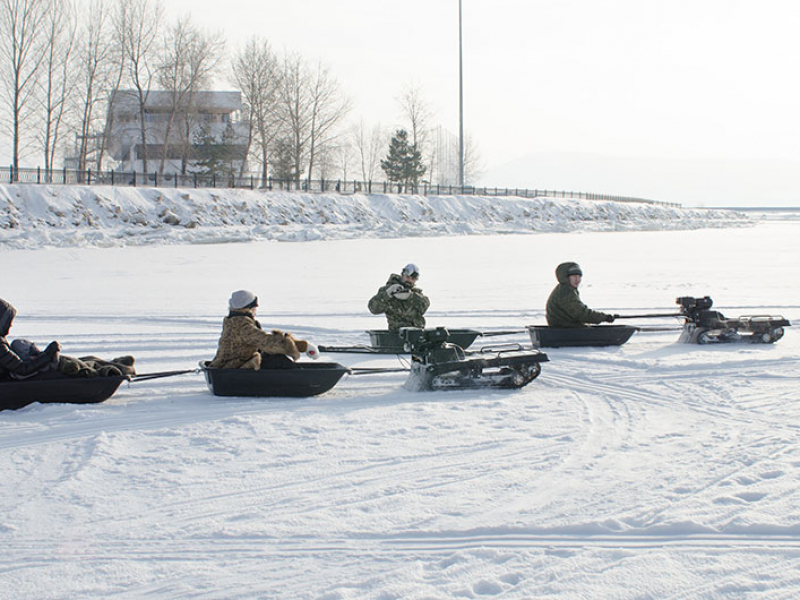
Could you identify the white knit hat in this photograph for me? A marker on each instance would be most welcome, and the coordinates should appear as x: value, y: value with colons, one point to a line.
x: 242, y: 299
x: 411, y: 270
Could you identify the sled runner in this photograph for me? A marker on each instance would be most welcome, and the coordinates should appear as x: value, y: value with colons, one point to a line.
x: 67, y: 390
x: 593, y: 335
x: 306, y: 379
x: 705, y: 326
x: 383, y: 341
x: 437, y: 364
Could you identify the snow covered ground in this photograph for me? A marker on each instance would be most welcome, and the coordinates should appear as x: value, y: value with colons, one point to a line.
x: 653, y: 470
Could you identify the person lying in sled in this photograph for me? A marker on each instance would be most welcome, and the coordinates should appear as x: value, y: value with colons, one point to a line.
x: 13, y: 366
x: 21, y: 359
x: 244, y: 345
x: 564, y: 306
x: 401, y: 300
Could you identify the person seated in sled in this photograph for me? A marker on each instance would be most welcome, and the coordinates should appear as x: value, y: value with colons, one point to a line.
x: 22, y: 359
x: 14, y: 366
x: 244, y: 345
x: 564, y: 306
x: 401, y: 300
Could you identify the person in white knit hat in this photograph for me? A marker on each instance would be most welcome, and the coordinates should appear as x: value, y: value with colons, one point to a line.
x: 245, y: 345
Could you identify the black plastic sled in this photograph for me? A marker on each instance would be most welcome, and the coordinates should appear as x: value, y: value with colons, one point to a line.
x: 67, y: 390
x: 306, y: 379
x: 383, y: 341
x: 704, y: 326
x: 437, y: 364
x: 543, y: 336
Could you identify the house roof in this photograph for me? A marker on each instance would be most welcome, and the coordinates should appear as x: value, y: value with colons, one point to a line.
x: 207, y: 101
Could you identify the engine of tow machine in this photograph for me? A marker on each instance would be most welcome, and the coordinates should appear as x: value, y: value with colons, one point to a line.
x: 430, y: 346
x: 696, y: 311
x: 704, y: 326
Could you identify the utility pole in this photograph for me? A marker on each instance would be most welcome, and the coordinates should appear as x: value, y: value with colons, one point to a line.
x: 460, y: 105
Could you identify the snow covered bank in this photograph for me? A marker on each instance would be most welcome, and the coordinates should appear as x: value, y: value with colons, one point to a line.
x: 38, y: 216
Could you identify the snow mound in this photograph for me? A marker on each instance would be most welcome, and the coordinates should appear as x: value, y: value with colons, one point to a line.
x: 40, y: 215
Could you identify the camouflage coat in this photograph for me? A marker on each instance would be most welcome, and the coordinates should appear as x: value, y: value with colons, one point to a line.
x: 400, y: 313
x: 564, y: 306
x: 242, y: 342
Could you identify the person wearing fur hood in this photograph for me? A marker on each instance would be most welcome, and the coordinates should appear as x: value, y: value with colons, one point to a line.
x: 11, y: 364
x: 244, y: 345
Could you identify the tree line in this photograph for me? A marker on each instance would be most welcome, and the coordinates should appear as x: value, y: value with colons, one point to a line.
x: 61, y: 62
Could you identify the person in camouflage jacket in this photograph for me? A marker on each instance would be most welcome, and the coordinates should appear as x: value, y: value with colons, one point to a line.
x: 243, y: 342
x: 401, y: 301
x: 564, y: 306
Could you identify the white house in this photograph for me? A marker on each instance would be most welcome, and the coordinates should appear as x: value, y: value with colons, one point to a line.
x: 199, y: 118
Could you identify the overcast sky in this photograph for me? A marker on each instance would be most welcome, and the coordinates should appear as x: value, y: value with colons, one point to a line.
x: 694, y: 101
x: 687, y: 101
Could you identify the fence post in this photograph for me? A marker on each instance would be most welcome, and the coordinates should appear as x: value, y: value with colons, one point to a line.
x: 112, y: 177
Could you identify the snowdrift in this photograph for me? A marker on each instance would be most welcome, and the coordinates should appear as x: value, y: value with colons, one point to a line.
x: 40, y: 215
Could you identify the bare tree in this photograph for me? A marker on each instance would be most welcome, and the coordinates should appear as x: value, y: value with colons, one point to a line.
x: 137, y: 25
x: 98, y: 71
x: 57, y: 80
x: 473, y: 163
x: 311, y: 107
x: 256, y: 71
x: 23, y: 45
x: 417, y: 113
x: 188, y: 61
x: 368, y: 145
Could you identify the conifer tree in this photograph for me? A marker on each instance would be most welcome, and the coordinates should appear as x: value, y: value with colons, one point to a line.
x: 403, y: 165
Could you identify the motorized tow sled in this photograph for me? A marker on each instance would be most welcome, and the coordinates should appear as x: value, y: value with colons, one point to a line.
x: 704, y: 326
x: 437, y: 364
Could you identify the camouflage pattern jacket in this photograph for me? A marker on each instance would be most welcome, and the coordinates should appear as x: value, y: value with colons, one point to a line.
x: 242, y: 342
x: 564, y: 306
x: 400, y: 312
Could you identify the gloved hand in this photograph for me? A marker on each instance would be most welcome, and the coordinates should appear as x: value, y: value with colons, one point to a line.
x: 312, y: 351
x: 52, y: 350
x: 611, y: 318
x: 398, y: 291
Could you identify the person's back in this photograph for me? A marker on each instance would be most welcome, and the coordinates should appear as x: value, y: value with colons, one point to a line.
x: 564, y: 306
x: 401, y: 300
